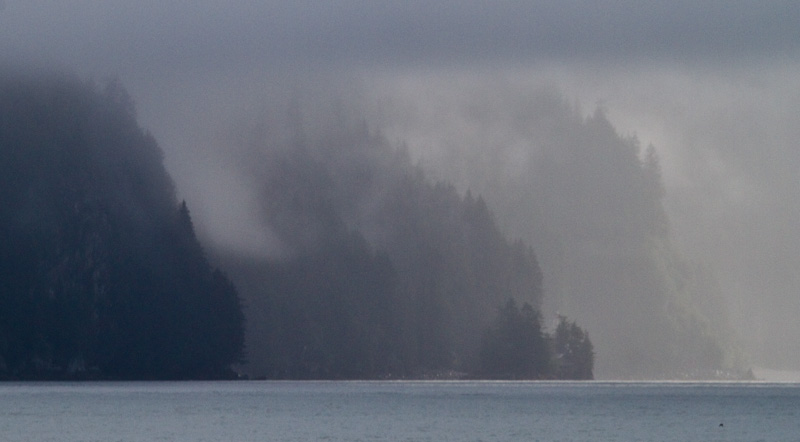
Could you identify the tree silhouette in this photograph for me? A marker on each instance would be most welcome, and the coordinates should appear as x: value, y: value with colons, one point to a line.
x: 573, y: 351
x: 514, y: 346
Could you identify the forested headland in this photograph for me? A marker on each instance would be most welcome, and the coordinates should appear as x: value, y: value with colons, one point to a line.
x: 101, y: 274
x: 383, y: 273
x: 592, y: 203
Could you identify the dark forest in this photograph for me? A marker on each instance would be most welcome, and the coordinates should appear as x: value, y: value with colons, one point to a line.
x: 383, y: 274
x: 102, y: 276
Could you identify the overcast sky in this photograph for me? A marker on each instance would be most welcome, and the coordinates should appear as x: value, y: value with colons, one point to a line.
x: 154, y: 36
x: 714, y: 85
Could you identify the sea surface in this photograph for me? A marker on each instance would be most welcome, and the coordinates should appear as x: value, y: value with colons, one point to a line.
x: 240, y: 411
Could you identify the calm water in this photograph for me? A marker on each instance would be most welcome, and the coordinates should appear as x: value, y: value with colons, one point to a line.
x: 398, y: 411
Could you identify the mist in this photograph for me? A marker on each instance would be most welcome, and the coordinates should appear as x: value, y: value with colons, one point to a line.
x: 476, y: 94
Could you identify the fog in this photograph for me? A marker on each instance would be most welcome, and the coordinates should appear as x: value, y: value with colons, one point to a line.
x: 712, y: 86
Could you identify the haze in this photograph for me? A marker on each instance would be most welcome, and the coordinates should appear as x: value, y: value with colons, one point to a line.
x: 713, y: 86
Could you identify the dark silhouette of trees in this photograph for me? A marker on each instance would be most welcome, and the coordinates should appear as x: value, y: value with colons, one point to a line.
x: 574, y: 352
x: 101, y: 274
x: 385, y: 273
x: 514, y: 346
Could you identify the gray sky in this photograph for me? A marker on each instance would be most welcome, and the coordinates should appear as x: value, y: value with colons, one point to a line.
x: 714, y: 85
x: 155, y: 36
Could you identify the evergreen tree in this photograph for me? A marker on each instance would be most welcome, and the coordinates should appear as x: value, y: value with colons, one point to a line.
x: 514, y: 346
x: 574, y: 352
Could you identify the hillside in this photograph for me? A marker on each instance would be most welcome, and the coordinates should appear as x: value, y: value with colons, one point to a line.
x: 101, y: 273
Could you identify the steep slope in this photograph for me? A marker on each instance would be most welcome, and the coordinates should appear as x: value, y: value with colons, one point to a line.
x: 384, y: 273
x: 590, y: 202
x: 101, y: 273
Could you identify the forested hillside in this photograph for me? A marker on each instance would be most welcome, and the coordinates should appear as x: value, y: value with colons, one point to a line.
x: 590, y: 201
x: 381, y: 272
x: 101, y: 275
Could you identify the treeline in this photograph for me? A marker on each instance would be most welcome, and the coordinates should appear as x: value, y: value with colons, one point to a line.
x: 101, y: 275
x: 382, y: 273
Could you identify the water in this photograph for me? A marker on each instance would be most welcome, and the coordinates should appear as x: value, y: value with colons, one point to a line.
x: 398, y: 411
